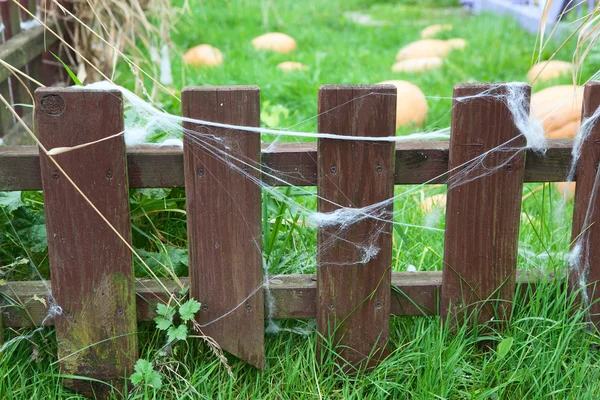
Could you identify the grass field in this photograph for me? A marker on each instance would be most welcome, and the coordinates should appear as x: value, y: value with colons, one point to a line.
x: 544, y: 351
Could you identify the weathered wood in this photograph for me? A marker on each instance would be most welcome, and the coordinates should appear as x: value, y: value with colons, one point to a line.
x: 224, y: 218
x: 91, y: 268
x: 17, y: 134
x: 483, y: 206
x: 586, y: 215
x: 162, y: 167
x: 35, y: 67
x: 353, y: 284
x: 12, y: 27
x: 24, y: 47
x: 412, y: 294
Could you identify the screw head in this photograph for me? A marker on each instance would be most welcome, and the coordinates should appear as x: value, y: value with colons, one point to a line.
x: 509, y: 167
x: 109, y: 174
x: 378, y: 305
x: 55, y: 176
x: 204, y: 307
x: 379, y: 169
x: 200, y: 171
x: 248, y: 307
x: 331, y: 306
x: 333, y: 169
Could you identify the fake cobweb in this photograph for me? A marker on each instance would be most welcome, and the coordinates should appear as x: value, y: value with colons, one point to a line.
x: 418, y: 211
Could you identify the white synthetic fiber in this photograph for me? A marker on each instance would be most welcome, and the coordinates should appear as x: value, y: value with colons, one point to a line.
x: 144, y: 108
x: 135, y: 136
x: 145, y: 121
x: 29, y: 24
x: 172, y: 142
x: 517, y: 101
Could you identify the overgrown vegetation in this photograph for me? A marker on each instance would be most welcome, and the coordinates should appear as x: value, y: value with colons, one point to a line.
x: 545, y: 349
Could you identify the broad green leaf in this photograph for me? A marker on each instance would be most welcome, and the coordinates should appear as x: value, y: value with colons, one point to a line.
x: 165, y: 311
x: 179, y: 333
x: 163, y: 323
x: 155, y: 380
x: 189, y: 309
x: 145, y: 373
x: 11, y: 201
x: 504, y: 347
x: 136, y: 378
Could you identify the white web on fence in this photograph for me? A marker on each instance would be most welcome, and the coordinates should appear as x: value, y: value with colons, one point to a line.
x: 143, y: 119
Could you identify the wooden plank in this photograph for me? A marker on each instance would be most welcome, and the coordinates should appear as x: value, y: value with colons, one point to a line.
x: 162, y: 167
x: 353, y: 287
x: 483, y: 206
x: 412, y: 294
x: 224, y: 218
x: 18, y: 136
x: 12, y: 27
x: 34, y: 68
x: 24, y: 47
x: 91, y: 268
x: 585, y: 269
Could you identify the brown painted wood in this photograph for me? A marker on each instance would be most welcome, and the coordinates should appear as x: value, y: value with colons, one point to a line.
x: 152, y: 167
x: 482, y: 215
x: 353, y: 297
x: 224, y: 218
x: 12, y: 27
x: 90, y: 267
x: 586, y: 214
x: 24, y: 47
x: 412, y: 294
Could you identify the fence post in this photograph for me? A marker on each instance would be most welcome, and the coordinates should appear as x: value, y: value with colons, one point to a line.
x: 586, y: 233
x: 8, y: 17
x: 483, y: 205
x: 223, y: 203
x: 90, y: 266
x: 353, y: 275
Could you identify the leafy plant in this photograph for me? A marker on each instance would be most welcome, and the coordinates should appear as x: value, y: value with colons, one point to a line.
x: 145, y: 375
x: 165, y: 320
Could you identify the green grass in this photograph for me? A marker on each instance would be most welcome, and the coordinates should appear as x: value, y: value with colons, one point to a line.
x: 552, y: 354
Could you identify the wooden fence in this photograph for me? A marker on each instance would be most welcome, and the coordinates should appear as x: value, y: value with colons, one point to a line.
x: 91, y: 268
x: 25, y: 45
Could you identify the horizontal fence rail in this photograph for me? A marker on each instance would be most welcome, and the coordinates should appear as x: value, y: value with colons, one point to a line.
x: 152, y: 166
x: 412, y: 294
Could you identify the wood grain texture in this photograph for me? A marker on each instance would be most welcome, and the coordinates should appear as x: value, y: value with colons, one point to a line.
x: 412, y: 294
x: 586, y: 212
x: 224, y: 218
x: 152, y: 167
x: 353, y: 287
x: 12, y: 28
x: 483, y: 205
x: 91, y: 268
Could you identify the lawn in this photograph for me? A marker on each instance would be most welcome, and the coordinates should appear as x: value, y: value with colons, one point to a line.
x: 545, y: 349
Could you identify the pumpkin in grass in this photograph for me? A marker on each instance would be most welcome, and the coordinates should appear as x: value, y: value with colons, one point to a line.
x: 424, y: 48
x: 547, y: 70
x: 203, y: 55
x: 411, y: 105
x: 275, y: 41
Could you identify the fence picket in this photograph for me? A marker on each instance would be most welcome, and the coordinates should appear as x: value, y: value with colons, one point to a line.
x: 482, y: 214
x: 586, y: 216
x: 353, y: 295
x: 91, y: 268
x: 224, y: 217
